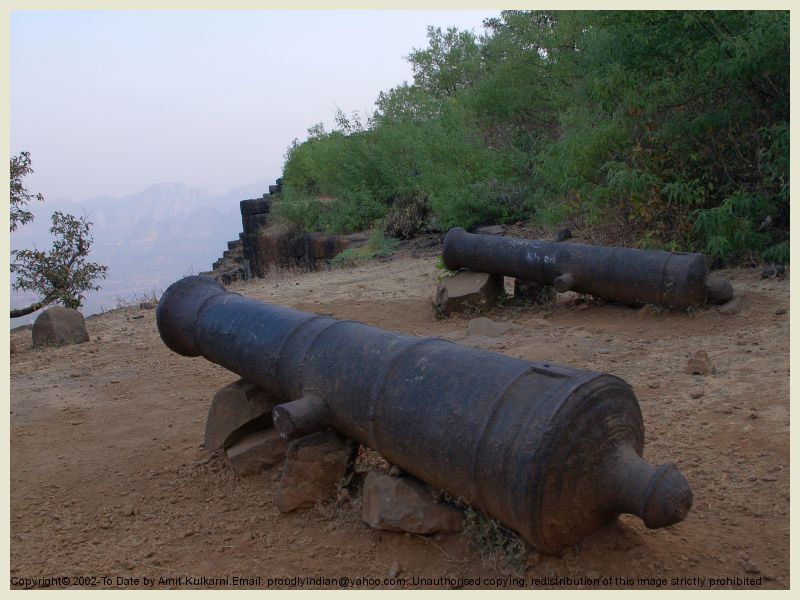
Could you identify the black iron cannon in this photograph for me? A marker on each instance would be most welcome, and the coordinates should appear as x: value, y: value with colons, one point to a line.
x: 627, y: 275
x: 552, y: 452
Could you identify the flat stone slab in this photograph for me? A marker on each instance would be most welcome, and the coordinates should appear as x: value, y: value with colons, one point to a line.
x: 257, y: 452
x: 236, y: 410
x: 59, y: 326
x: 468, y: 289
x: 406, y: 504
x: 314, y: 465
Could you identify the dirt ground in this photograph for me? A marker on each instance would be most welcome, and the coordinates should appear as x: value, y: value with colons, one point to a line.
x: 110, y: 483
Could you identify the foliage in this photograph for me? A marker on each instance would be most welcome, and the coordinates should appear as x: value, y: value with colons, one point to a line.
x: 668, y: 127
x: 19, y: 196
x: 62, y: 274
x: 499, y: 547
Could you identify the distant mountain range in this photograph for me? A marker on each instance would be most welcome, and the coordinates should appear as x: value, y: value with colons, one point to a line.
x: 148, y: 240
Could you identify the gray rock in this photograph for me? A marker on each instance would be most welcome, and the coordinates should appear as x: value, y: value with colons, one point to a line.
x: 236, y: 410
x: 468, y: 289
x: 257, y: 451
x: 718, y: 290
x: 406, y: 504
x: 314, y: 465
x: 59, y: 326
x: 733, y: 306
x: 486, y: 327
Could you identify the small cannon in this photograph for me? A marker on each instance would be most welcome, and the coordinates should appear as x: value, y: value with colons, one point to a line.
x: 627, y: 275
x: 552, y: 452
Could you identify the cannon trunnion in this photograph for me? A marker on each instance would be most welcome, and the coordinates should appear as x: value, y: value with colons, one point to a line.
x: 551, y: 452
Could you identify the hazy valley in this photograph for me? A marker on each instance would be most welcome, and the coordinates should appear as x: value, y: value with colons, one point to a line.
x: 147, y: 239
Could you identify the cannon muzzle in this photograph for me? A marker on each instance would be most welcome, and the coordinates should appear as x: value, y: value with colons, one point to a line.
x: 551, y: 452
x: 627, y: 275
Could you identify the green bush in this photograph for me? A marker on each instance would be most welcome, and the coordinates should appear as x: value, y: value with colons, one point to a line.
x: 670, y: 126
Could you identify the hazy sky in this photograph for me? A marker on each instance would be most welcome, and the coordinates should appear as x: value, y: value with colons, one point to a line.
x: 111, y: 102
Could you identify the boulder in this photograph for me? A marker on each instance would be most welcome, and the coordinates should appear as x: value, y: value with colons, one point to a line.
x: 468, y: 289
x: 314, y: 465
x: 236, y: 410
x: 406, y: 504
x: 257, y: 451
x: 59, y: 326
x: 700, y: 364
x: 718, y: 290
x: 487, y: 327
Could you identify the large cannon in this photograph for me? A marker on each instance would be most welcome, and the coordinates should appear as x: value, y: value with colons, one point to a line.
x: 552, y: 452
x: 627, y: 275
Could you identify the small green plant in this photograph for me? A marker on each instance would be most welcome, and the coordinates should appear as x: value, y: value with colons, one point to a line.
x: 378, y: 245
x: 498, y: 547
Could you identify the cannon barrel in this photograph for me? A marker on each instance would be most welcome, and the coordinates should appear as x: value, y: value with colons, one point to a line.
x: 551, y: 452
x: 627, y: 275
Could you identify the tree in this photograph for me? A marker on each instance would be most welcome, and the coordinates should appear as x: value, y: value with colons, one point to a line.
x: 20, y: 167
x: 63, y: 274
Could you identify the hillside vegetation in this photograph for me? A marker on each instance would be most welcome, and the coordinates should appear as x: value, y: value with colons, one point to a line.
x: 668, y: 129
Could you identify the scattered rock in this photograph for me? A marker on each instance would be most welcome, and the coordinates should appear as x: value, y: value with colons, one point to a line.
x: 394, y: 570
x: 697, y: 394
x: 774, y: 272
x: 313, y: 466
x: 468, y: 289
x: 603, y: 351
x: 257, y: 452
x: 653, y: 385
x: 404, y: 504
x: 129, y: 510
x: 490, y: 230
x: 733, y: 306
x: 649, y: 310
x: 13, y: 346
x: 749, y: 566
x: 59, y: 326
x: 780, y: 311
x: 563, y: 234
x: 487, y: 327
x: 147, y: 305
x: 718, y: 290
x: 700, y: 364
x: 236, y: 410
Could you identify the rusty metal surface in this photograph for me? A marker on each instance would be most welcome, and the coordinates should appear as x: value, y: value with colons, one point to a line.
x: 551, y: 452
x: 627, y: 275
